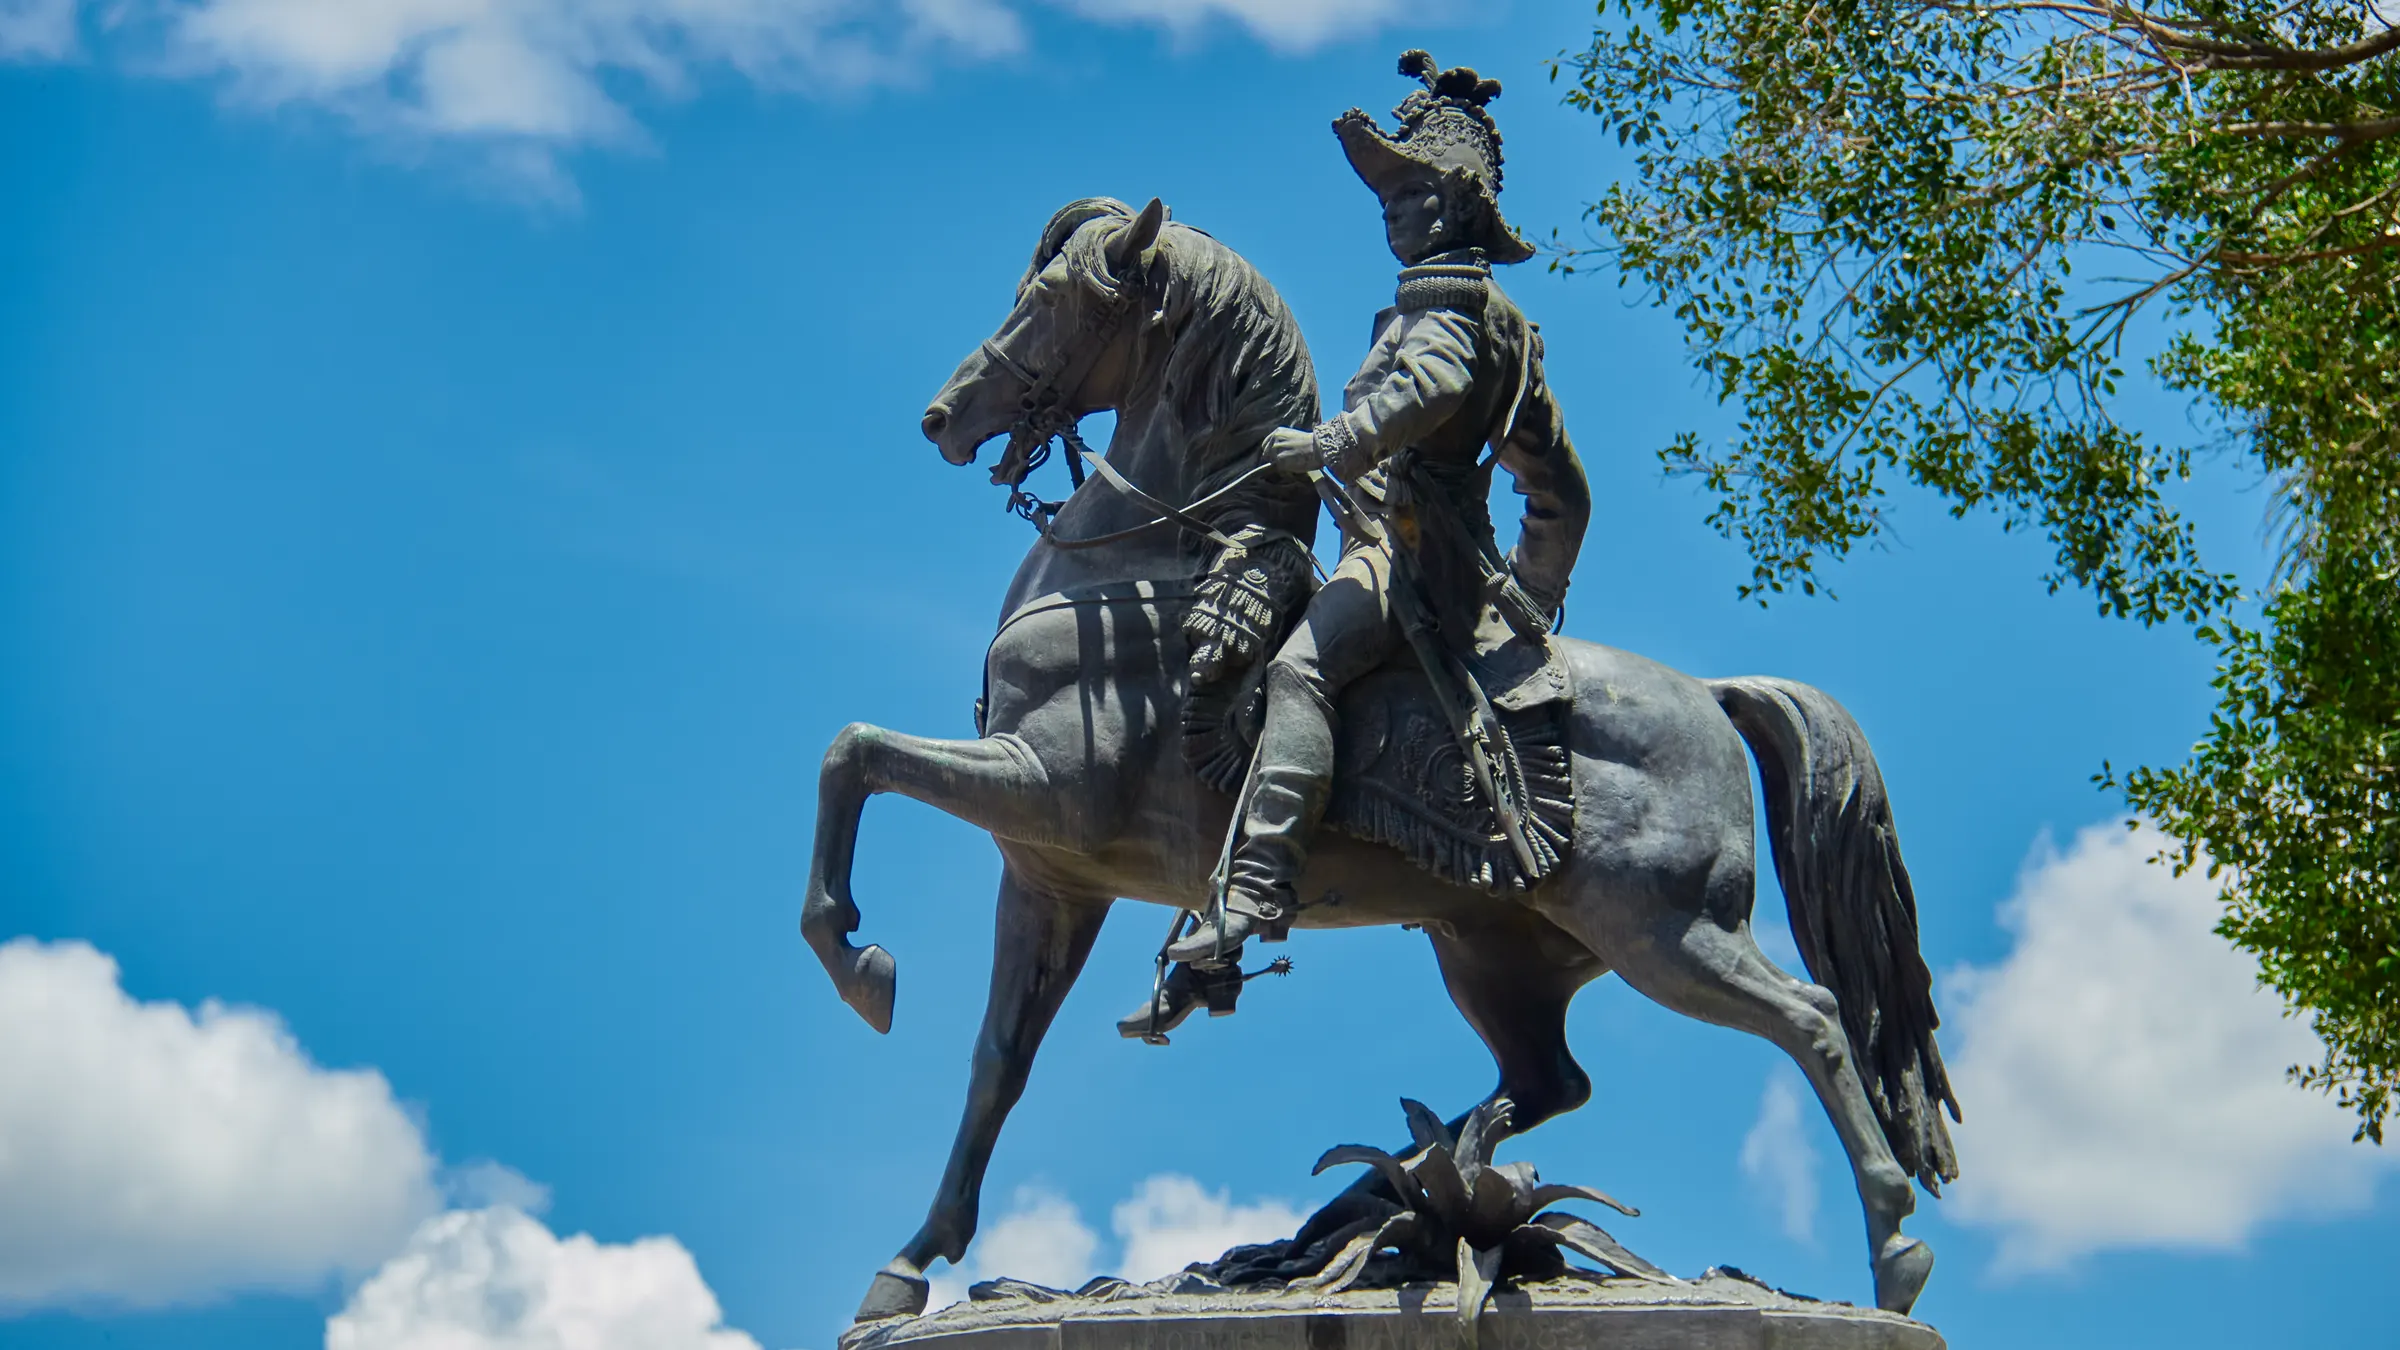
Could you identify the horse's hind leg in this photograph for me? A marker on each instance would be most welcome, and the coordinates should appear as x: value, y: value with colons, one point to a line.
x: 1679, y: 957
x: 1512, y: 981
x: 1038, y: 948
x: 994, y: 782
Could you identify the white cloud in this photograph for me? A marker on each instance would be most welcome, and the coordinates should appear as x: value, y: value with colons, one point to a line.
x: 1286, y: 25
x: 150, y: 1155
x: 1170, y: 1221
x: 2123, y: 1073
x: 1167, y: 1223
x: 37, y: 30
x: 1778, y: 1159
x: 518, y: 82
x: 482, y: 1185
x: 535, y: 68
x: 1041, y: 1240
x: 498, y: 1279
x: 945, y: 1288
x: 525, y: 79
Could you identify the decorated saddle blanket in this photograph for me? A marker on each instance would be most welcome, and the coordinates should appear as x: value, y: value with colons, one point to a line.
x: 1400, y: 776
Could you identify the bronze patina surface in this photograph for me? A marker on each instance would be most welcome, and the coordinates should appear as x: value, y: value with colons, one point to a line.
x: 1171, y: 705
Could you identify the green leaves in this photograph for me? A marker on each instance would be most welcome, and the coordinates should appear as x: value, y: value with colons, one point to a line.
x: 1906, y: 241
x: 2295, y: 794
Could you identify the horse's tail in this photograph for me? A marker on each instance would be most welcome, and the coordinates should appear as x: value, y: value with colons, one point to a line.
x: 1853, y: 912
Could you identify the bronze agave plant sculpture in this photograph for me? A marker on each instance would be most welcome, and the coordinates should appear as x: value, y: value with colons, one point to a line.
x: 1490, y: 1218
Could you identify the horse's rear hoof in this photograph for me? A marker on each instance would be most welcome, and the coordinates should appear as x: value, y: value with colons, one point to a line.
x: 1901, y: 1272
x: 895, y: 1293
x: 869, y: 991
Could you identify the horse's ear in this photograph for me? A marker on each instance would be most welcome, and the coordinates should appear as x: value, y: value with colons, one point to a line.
x: 1137, y: 237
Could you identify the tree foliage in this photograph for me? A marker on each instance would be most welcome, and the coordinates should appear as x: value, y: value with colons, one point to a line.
x: 1907, y: 241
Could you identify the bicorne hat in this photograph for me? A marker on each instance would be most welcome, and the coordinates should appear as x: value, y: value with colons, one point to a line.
x: 1444, y: 131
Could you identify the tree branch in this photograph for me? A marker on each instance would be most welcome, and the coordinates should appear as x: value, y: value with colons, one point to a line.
x: 2348, y: 131
x: 2252, y: 56
x: 2313, y: 255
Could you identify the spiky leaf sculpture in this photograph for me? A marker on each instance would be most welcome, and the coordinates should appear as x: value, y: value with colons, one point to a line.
x: 1457, y: 1205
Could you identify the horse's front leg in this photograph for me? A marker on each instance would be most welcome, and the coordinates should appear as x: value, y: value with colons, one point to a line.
x: 994, y: 782
x: 1038, y: 948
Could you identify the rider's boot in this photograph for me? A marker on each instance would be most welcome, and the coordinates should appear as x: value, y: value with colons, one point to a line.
x: 1284, y: 806
x: 1217, y: 943
x: 1185, y: 990
x: 1287, y: 798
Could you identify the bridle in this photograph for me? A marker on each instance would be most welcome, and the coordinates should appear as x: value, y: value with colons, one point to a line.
x: 1043, y: 413
x: 1043, y: 416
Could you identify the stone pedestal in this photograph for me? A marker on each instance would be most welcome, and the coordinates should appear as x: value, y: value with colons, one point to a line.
x: 1717, y: 1312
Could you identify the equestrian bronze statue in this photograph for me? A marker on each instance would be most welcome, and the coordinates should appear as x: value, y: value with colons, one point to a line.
x: 1175, y: 711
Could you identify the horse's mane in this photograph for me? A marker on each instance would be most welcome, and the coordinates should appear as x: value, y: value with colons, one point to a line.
x: 1236, y: 366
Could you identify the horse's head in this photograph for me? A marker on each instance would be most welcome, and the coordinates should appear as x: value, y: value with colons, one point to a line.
x: 1063, y: 350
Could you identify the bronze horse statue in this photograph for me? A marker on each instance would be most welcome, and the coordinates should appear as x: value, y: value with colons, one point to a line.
x: 1079, y: 775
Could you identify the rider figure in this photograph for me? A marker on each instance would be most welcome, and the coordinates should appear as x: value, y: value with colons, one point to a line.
x: 1454, y: 369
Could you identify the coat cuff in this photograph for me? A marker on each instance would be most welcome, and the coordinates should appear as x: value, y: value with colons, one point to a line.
x: 1548, y: 593
x: 1337, y: 446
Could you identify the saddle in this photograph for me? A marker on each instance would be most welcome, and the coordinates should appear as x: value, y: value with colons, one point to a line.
x: 1400, y: 777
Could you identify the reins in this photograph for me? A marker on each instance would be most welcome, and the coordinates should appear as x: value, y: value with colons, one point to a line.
x: 1044, y: 416
x: 1188, y: 517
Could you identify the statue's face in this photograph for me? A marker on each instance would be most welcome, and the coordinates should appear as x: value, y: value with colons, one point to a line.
x: 1413, y: 220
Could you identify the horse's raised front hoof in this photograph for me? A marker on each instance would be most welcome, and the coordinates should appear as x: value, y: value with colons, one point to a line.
x: 1901, y: 1272
x: 896, y: 1292
x: 869, y: 991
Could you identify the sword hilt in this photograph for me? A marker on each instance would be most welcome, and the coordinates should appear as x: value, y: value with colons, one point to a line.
x: 1347, y: 513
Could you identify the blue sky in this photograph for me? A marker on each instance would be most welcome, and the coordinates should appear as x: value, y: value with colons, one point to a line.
x: 461, y: 468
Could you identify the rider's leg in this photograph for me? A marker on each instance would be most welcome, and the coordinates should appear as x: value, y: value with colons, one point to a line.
x: 1347, y: 632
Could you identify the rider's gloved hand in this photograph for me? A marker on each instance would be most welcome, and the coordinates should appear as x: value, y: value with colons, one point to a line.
x: 1294, y: 451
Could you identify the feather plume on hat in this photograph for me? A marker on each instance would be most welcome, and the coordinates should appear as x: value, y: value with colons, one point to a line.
x: 1446, y: 132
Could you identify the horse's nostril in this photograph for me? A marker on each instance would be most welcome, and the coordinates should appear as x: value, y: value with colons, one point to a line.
x: 936, y: 421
